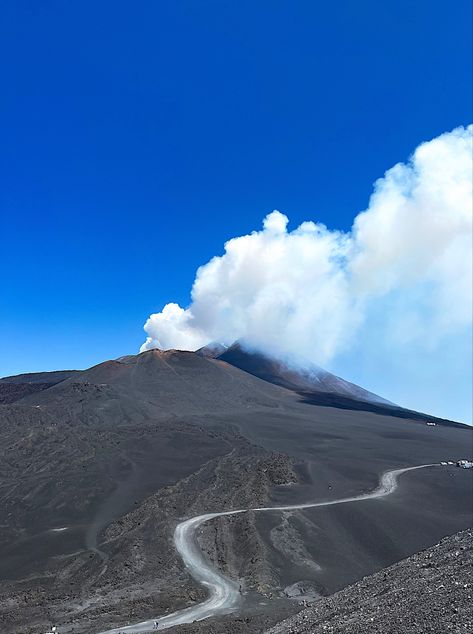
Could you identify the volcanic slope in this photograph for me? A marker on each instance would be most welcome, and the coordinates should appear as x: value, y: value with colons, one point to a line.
x: 312, y: 378
x: 313, y: 384
x: 12, y: 388
x: 430, y: 592
x: 97, y: 470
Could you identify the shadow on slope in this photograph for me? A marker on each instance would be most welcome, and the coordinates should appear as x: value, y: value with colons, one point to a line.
x: 340, y: 401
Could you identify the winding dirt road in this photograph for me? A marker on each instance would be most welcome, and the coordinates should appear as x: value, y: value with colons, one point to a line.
x: 224, y: 594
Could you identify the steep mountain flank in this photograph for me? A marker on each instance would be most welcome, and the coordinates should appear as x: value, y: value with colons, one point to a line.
x: 310, y: 379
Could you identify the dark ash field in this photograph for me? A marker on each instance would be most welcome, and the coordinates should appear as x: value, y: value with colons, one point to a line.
x: 97, y: 468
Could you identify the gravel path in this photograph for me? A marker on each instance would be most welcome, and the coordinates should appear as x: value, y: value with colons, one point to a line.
x: 223, y: 592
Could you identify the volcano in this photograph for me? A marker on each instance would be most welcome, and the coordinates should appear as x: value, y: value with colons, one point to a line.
x: 99, y: 466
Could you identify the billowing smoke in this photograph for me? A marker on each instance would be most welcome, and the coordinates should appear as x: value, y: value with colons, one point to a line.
x: 309, y: 292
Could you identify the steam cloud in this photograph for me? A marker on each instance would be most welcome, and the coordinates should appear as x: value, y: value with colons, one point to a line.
x: 311, y: 291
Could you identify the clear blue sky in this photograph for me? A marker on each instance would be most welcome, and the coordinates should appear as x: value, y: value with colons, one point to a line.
x: 137, y: 137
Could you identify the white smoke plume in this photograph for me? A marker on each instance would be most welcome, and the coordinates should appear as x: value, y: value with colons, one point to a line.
x: 308, y: 292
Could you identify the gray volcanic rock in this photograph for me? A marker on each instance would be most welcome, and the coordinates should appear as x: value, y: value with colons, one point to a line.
x: 428, y: 593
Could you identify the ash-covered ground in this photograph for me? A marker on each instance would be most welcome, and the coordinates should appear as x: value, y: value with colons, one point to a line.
x: 97, y: 470
x: 429, y: 593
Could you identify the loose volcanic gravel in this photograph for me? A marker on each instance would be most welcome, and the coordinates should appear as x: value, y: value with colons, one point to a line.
x: 430, y: 592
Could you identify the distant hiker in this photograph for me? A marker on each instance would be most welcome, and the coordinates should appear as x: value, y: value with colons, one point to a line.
x: 156, y: 625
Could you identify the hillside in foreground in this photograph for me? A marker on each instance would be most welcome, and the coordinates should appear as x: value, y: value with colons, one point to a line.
x: 430, y: 592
